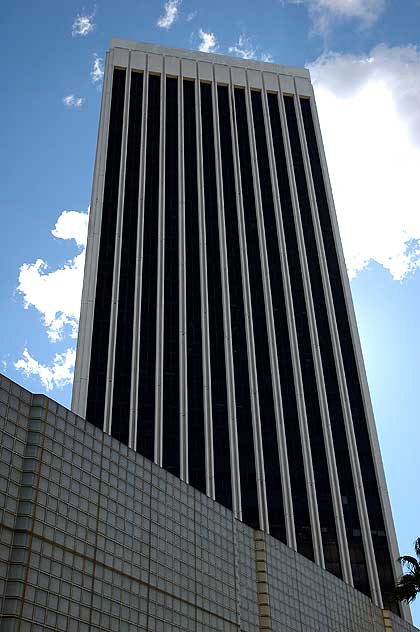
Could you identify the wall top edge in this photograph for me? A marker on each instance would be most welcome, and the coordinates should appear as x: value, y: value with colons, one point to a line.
x: 213, y: 58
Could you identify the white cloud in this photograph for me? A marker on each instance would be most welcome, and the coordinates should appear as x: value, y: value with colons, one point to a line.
x: 243, y: 48
x: 267, y: 57
x: 72, y: 101
x: 57, y: 375
x: 97, y: 72
x: 369, y: 108
x: 56, y: 293
x: 191, y: 16
x: 246, y: 49
x: 83, y: 25
x: 323, y: 12
x: 171, y: 8
x: 208, y: 42
x: 72, y: 225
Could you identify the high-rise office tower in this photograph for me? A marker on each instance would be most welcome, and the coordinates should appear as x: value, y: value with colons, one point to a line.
x: 217, y: 333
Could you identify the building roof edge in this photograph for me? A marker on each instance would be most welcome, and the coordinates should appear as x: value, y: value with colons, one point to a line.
x: 214, y: 58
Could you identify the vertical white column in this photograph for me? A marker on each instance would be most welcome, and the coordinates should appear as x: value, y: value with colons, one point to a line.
x: 297, y: 378
x: 306, y: 446
x: 253, y: 382
x: 281, y: 436
x: 328, y: 438
x: 84, y: 341
x: 139, y: 267
x: 351, y: 440
x: 183, y: 397
x: 205, y: 337
x: 160, y: 275
x: 230, y: 378
x: 117, y: 259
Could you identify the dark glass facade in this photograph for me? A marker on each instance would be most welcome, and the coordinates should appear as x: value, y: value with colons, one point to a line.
x: 224, y: 212
x: 196, y: 444
x: 311, y: 395
x: 221, y: 443
x: 281, y: 326
x: 171, y: 386
x: 260, y: 337
x: 95, y: 408
x: 123, y: 346
x: 147, y: 361
x: 248, y: 477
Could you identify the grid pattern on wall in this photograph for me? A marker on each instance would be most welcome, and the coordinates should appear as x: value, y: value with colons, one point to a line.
x: 217, y: 336
x: 95, y: 538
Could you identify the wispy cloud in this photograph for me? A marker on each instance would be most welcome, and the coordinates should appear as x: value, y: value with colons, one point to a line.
x: 243, y: 48
x: 208, y: 43
x: 56, y: 294
x: 369, y: 108
x: 83, y: 24
x: 57, y: 375
x: 71, y: 101
x: 97, y: 72
x: 268, y: 57
x: 247, y: 49
x: 324, y: 12
x: 191, y: 16
x: 170, y: 15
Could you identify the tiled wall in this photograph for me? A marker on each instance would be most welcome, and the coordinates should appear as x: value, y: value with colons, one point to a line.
x: 94, y: 537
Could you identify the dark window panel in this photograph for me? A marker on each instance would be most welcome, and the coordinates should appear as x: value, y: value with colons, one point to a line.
x: 351, y: 516
x: 196, y: 437
x: 296, y: 467
x: 220, y: 419
x: 290, y: 411
x: 124, y: 340
x: 382, y: 555
x: 262, y: 356
x: 249, y: 497
x: 170, y: 408
x: 100, y: 337
x: 147, y: 363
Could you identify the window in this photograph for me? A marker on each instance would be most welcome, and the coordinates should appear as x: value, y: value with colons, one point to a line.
x: 196, y: 437
x: 146, y: 392
x: 264, y: 378
x: 220, y: 418
x: 124, y: 340
x: 170, y: 404
x: 249, y: 498
x: 101, y: 321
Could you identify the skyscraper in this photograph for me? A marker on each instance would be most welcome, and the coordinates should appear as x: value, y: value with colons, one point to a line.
x: 217, y: 334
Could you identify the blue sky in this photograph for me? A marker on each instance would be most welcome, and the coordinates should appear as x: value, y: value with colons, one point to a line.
x: 365, y: 61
